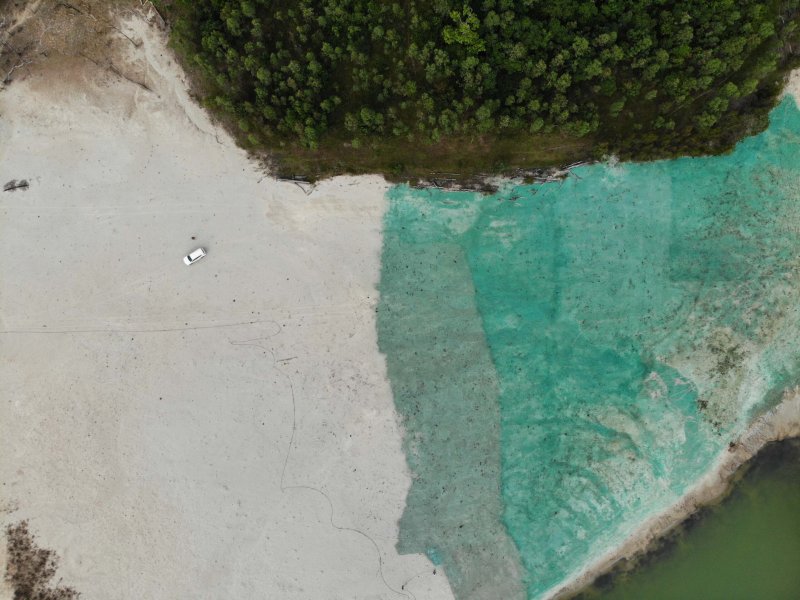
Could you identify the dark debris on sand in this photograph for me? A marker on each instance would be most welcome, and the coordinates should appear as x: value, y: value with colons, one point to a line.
x: 30, y: 568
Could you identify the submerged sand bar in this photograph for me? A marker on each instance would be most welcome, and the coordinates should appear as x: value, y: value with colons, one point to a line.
x: 219, y: 430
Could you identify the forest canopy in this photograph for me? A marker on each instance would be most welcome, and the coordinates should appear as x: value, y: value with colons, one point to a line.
x: 641, y: 77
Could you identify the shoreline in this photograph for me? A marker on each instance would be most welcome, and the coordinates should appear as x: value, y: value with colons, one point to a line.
x: 665, y: 549
x: 776, y: 424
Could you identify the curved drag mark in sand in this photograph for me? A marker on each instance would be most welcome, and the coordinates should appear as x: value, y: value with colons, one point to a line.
x: 258, y: 343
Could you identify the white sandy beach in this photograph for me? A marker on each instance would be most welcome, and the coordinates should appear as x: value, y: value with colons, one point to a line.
x: 224, y: 430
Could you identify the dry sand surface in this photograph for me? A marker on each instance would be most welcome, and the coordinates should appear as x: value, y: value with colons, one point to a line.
x: 224, y: 430
x: 793, y: 85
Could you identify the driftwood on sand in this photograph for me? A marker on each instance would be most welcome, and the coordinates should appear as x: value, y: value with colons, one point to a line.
x: 12, y: 185
x: 487, y: 183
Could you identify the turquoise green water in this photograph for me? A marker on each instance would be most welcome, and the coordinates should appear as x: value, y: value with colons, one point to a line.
x: 746, y: 548
x: 569, y: 358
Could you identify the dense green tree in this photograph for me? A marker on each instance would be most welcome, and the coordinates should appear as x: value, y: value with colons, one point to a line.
x: 300, y: 70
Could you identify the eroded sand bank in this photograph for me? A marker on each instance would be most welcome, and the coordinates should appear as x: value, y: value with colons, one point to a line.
x: 223, y: 430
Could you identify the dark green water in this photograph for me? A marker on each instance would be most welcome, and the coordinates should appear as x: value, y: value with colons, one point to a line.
x: 746, y: 548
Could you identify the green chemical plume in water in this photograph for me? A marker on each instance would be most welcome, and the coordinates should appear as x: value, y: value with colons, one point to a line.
x: 569, y: 358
